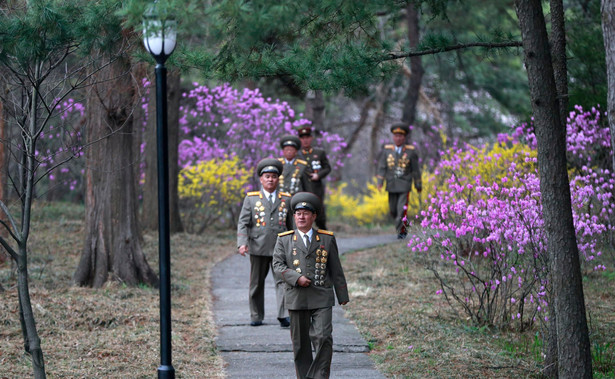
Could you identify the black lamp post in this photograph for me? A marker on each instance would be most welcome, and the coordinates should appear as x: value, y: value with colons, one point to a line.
x: 159, y: 37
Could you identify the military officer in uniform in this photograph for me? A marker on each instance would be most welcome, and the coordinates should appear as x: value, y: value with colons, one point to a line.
x: 296, y: 173
x: 399, y: 166
x: 317, y: 160
x: 308, y: 261
x: 264, y: 214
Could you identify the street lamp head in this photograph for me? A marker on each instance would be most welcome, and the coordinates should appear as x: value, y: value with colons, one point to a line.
x: 159, y: 34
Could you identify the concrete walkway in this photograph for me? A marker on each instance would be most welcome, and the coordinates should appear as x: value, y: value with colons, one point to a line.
x: 266, y: 351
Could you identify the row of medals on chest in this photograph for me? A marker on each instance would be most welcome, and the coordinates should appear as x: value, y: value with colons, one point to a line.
x: 316, y: 165
x: 259, y: 213
x: 321, y: 265
x: 294, y: 181
x: 402, y: 163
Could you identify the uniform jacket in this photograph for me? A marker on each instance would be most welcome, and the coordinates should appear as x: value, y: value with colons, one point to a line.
x: 320, y: 263
x: 260, y: 222
x: 317, y: 160
x: 295, y: 176
x: 399, y: 170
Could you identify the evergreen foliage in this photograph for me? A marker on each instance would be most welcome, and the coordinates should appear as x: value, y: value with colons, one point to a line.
x: 586, y: 66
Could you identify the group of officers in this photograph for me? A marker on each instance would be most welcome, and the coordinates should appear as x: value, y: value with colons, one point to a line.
x: 276, y: 229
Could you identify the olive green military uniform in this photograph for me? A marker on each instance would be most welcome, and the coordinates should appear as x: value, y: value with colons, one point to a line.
x: 310, y: 308
x: 317, y: 160
x: 259, y: 223
x: 296, y: 173
x: 295, y: 176
x: 400, y: 169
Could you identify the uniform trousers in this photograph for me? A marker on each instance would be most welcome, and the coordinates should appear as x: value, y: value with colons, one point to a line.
x: 397, y: 202
x: 259, y: 268
x: 312, y: 327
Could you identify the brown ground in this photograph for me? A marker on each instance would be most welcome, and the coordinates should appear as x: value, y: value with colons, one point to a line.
x: 113, y: 332
x: 414, y: 333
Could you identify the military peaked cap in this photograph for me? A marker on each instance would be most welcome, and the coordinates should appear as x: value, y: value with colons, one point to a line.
x: 305, y: 131
x: 400, y: 128
x: 289, y: 140
x: 269, y: 165
x: 305, y: 200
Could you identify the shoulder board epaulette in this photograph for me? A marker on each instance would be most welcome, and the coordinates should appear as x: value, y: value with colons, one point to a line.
x: 254, y: 193
x: 286, y: 194
x: 322, y: 231
x: 281, y: 160
x: 285, y: 233
x: 389, y: 146
x: 411, y: 147
x: 301, y: 161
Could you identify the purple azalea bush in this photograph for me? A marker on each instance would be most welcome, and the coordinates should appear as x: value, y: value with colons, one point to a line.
x: 224, y: 122
x: 485, y: 222
x: 215, y: 123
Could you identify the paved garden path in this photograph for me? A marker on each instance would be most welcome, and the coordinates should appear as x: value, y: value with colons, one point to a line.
x: 266, y: 351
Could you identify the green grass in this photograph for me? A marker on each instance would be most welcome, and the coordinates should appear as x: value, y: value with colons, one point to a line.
x: 603, y: 359
x: 63, y: 212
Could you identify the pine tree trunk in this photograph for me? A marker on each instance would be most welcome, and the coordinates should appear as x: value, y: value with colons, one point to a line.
x: 3, y: 178
x: 574, y: 357
x: 416, y: 67
x: 112, y: 249
x: 149, y: 214
x: 558, y: 54
x: 608, y: 33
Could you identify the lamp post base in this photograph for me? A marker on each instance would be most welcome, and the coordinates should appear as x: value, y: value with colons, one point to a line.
x: 166, y: 372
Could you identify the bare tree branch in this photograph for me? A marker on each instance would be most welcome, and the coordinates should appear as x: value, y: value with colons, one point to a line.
x: 460, y: 46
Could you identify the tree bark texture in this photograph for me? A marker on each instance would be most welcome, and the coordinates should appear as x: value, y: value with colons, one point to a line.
x: 3, y: 178
x: 560, y: 71
x: 112, y: 249
x: 149, y: 213
x: 416, y: 67
x: 140, y: 71
x: 382, y: 98
x: 558, y: 55
x: 608, y: 33
x: 32, y: 342
x: 574, y: 357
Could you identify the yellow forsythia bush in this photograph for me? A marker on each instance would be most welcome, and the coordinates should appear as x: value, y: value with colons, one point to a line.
x: 418, y: 201
x: 485, y: 165
x: 363, y: 209
x: 209, y: 189
x: 489, y: 164
x: 340, y: 205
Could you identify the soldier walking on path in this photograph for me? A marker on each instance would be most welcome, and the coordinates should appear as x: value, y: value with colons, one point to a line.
x: 308, y: 261
x: 296, y: 173
x: 264, y: 214
x: 399, y: 166
x: 317, y: 160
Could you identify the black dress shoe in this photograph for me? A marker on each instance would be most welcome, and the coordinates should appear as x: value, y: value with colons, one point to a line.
x: 284, y: 322
x: 256, y: 323
x: 401, y: 236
